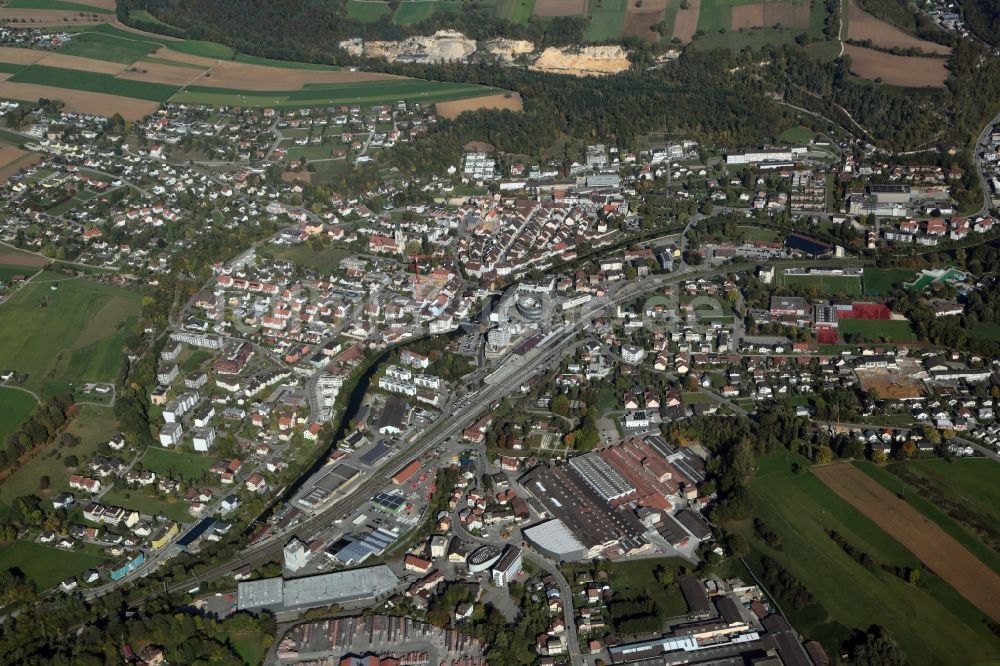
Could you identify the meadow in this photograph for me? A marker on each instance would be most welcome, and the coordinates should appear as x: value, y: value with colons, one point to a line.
x: 799, y: 507
x: 68, y: 330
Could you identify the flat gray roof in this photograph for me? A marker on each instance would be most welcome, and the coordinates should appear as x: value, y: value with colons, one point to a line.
x: 554, y: 537
x: 336, y: 587
x: 602, y: 476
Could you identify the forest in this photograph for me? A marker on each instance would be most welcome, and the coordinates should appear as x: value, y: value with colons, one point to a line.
x: 983, y: 18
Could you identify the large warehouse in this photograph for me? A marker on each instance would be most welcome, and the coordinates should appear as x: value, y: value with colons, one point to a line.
x: 351, y: 585
x: 553, y: 539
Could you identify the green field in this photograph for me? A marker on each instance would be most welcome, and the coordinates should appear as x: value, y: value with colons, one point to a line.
x: 60, y: 5
x: 825, y: 285
x: 986, y: 331
x: 148, y: 506
x: 875, y: 330
x: 93, y: 425
x: 47, y: 566
x: 637, y: 578
x: 936, y: 491
x: 14, y: 408
x: 325, y: 262
x: 799, y: 507
x: 516, y: 11
x: 367, y: 12
x: 176, y: 463
x: 93, y: 82
x: 10, y: 271
x: 317, y: 152
x: 413, y: 11
x: 284, y: 64
x: 364, y: 93
x: 882, y: 281
x: 102, y: 46
x: 75, y: 337
x: 606, y: 19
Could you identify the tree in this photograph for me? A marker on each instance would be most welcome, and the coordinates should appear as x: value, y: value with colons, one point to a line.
x: 879, y: 457
x: 824, y: 455
x: 877, y: 648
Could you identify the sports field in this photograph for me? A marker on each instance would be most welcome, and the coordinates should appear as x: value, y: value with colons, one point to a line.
x: 877, y: 330
x: 825, y: 285
x: 800, y: 508
x: 882, y: 281
x: 65, y: 330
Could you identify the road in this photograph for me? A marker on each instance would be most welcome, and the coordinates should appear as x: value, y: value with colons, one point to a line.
x: 980, y: 170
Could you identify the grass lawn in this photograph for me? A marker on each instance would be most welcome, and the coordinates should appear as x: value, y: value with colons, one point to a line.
x: 61, y: 5
x: 874, y: 330
x: 249, y: 646
x: 148, y: 506
x: 176, y: 463
x: 47, y: 566
x: 15, y: 406
x: 697, y: 398
x: 986, y: 331
x: 895, y: 478
x: 758, y: 233
x: 326, y: 261
x: 637, y: 578
x: 827, y: 285
x: 367, y: 12
x: 799, y: 507
x: 76, y: 337
x: 882, y: 281
x: 197, y: 359
x: 413, y: 11
x: 92, y: 424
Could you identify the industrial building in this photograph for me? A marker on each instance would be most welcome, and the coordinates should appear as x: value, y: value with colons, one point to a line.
x: 553, y: 539
x: 602, y: 477
x: 349, y: 586
x: 337, y: 478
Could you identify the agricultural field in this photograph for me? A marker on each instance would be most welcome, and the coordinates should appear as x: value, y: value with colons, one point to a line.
x: 63, y: 5
x: 882, y: 281
x: 736, y: 24
x: 47, y: 566
x: 367, y: 12
x: 904, y: 71
x: 69, y: 331
x: 862, y: 26
x: 936, y: 549
x: 826, y: 285
x: 800, y: 508
x: 413, y: 11
x: 109, y: 68
x: 875, y: 330
x: 970, y: 517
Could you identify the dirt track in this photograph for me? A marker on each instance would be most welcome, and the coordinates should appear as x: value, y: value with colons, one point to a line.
x: 503, y: 101
x: 932, y: 545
